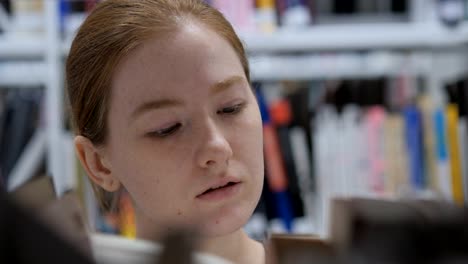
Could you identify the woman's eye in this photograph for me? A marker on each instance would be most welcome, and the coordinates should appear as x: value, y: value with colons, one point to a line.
x: 165, y: 131
x: 231, y: 109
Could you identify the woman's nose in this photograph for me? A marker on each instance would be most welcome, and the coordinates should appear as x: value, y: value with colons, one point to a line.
x: 214, y: 148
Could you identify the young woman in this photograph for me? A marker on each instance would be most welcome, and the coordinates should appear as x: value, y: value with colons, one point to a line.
x: 163, y: 108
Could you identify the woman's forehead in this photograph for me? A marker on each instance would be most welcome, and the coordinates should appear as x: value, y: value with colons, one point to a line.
x: 188, y: 58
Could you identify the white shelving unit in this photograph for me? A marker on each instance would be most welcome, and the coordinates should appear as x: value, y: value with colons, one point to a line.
x: 54, y: 99
x: 23, y: 74
x: 338, y: 38
x: 336, y: 66
x: 26, y: 47
x: 423, y: 48
x: 415, y: 35
x: 450, y: 64
x: 35, y: 61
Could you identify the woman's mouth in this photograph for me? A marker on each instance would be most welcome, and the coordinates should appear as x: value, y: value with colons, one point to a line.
x: 219, y: 193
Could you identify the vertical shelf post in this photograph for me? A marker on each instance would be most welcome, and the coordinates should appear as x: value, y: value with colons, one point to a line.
x: 54, y: 96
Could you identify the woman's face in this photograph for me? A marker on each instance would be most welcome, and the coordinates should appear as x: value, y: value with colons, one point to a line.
x: 183, y: 120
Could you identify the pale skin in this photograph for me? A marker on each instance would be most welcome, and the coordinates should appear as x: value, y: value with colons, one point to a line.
x: 183, y: 119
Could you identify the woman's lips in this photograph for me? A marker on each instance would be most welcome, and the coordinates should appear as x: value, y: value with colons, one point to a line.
x: 226, y: 191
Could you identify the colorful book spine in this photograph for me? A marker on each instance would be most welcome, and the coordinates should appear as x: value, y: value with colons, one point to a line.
x: 240, y: 13
x: 281, y: 116
x: 89, y: 5
x: 126, y: 216
x: 325, y: 149
x: 454, y: 150
x: 355, y: 175
x: 275, y: 171
x: 396, y: 170
x: 65, y: 10
x: 427, y: 108
x: 443, y: 162
x: 343, y: 162
x: 302, y: 161
x: 462, y: 139
x: 414, y: 143
x: 266, y: 19
x: 375, y: 118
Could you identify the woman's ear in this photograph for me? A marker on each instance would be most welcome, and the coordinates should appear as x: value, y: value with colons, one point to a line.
x: 95, y: 164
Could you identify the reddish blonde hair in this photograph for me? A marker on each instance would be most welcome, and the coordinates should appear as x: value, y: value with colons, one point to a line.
x: 110, y: 32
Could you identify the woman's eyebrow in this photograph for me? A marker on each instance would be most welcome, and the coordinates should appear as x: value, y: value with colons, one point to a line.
x: 167, y: 102
x: 226, y: 83
x: 153, y: 105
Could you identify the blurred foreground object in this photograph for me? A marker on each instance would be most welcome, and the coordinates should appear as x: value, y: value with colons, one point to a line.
x: 37, y: 227
x: 63, y: 216
x: 176, y: 248
x: 299, y: 249
x: 377, y: 231
x: 26, y: 239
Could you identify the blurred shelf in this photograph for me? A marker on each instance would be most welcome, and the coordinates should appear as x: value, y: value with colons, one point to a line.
x: 66, y: 44
x: 29, y: 161
x: 452, y: 65
x: 339, y: 66
x: 395, y: 35
x: 358, y: 37
x: 22, y: 74
x: 21, y: 47
x: 338, y: 40
x: 449, y: 65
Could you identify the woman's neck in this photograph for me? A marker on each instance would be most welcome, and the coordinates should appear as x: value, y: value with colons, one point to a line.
x: 236, y: 247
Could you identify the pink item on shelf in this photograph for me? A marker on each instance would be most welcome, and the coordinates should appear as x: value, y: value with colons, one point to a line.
x: 240, y: 13
x: 375, y: 119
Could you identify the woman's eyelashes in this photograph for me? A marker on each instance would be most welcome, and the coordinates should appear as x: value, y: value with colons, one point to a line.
x: 167, y: 131
x: 231, y: 110
x: 170, y: 130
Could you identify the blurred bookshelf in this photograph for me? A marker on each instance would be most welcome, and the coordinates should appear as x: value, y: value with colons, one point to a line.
x: 18, y: 47
x: 293, y: 46
x: 400, y: 36
x: 22, y: 74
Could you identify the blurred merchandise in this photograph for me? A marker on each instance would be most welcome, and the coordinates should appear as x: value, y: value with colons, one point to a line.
x: 27, y: 16
x: 361, y: 138
x: 451, y: 12
x: 266, y: 18
x: 295, y: 15
x: 20, y: 112
x: 359, y: 98
x: 377, y: 231
x: 240, y: 13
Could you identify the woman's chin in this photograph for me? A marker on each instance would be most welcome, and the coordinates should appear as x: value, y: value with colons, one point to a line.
x: 224, y: 224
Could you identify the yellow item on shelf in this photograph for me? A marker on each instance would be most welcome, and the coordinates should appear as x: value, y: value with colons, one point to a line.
x: 265, y: 3
x: 126, y: 216
x: 266, y: 15
x: 396, y: 169
x: 428, y: 108
x: 453, y: 144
